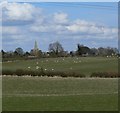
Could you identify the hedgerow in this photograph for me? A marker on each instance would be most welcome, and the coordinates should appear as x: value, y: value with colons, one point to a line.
x: 105, y: 74
x: 42, y: 73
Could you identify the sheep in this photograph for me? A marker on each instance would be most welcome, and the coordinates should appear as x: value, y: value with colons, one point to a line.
x: 45, y: 69
x: 52, y: 69
x: 29, y: 67
x: 37, y: 67
x: 77, y: 58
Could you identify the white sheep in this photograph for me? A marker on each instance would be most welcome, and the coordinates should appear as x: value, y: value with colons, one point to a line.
x: 45, y: 69
x: 37, y: 67
x: 77, y: 58
x: 29, y: 67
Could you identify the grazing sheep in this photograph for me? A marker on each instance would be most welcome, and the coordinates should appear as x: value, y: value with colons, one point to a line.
x: 52, y: 69
x: 75, y: 62
x: 45, y: 69
x: 37, y: 67
x: 77, y: 58
x: 29, y: 67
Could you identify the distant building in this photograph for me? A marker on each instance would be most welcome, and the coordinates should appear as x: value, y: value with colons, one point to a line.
x: 35, y: 51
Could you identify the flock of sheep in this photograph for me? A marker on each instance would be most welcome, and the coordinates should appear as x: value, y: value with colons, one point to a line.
x: 55, y: 61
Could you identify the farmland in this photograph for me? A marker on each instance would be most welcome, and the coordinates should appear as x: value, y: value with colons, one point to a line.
x: 83, y: 65
x: 61, y: 94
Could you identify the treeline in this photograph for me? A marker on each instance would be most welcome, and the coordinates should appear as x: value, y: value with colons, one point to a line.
x: 42, y: 73
x: 56, y: 50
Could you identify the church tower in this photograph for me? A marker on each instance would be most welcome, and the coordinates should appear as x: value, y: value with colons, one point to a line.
x: 36, y: 49
x: 36, y: 45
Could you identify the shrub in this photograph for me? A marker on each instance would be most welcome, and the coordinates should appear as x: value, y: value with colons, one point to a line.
x: 64, y: 74
x: 8, y: 72
x: 82, y: 76
x: 79, y: 75
x: 50, y: 74
x: 19, y: 72
x: 105, y: 74
x: 40, y: 72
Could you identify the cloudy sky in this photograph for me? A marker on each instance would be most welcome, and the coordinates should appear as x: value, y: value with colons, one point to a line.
x: 91, y: 24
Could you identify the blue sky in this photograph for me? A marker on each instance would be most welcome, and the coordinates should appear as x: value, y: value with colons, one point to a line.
x: 92, y: 24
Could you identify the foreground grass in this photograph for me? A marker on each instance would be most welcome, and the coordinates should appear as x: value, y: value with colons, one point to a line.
x: 82, y: 65
x: 59, y: 94
x: 94, y: 102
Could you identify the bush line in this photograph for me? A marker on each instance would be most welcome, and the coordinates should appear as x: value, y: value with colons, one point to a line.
x: 105, y: 74
x: 41, y: 73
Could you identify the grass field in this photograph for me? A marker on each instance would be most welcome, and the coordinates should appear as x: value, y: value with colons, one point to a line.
x: 82, y: 65
x: 61, y: 94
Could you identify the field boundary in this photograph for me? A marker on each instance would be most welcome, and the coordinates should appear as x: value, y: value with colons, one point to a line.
x: 32, y: 95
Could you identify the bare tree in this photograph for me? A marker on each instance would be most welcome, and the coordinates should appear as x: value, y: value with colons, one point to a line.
x: 55, y: 48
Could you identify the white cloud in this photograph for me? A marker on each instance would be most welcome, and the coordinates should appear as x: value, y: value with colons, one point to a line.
x: 92, y: 29
x: 60, y: 18
x: 53, y: 26
x: 19, y: 11
x: 58, y: 23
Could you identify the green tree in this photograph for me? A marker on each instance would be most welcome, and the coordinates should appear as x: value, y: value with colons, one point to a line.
x: 19, y: 51
x: 81, y: 49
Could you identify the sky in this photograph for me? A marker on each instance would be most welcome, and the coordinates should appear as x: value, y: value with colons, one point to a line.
x: 93, y: 24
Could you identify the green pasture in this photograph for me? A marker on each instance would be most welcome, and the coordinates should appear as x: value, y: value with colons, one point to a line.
x: 59, y: 94
x: 83, y: 65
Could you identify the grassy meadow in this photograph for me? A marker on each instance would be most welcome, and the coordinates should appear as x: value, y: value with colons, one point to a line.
x: 82, y: 65
x: 61, y: 94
